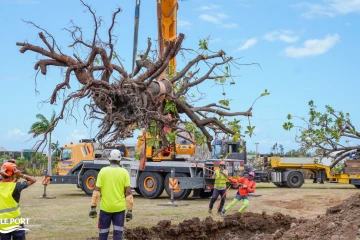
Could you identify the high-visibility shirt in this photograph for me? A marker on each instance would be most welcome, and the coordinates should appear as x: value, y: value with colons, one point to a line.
x: 251, y: 184
x: 10, y: 217
x: 220, y: 179
x: 112, y: 182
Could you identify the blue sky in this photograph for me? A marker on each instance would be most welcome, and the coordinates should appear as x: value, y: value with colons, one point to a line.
x: 308, y: 50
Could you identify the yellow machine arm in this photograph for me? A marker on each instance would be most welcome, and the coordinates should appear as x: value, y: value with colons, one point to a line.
x: 167, y: 27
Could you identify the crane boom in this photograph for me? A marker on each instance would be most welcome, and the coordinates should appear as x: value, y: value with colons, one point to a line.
x: 167, y: 27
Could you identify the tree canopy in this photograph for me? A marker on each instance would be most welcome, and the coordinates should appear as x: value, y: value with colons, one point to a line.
x: 328, y: 133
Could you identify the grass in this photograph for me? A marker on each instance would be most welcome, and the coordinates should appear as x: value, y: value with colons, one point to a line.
x: 66, y: 216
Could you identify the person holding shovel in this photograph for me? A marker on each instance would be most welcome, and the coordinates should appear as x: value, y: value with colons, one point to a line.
x: 247, y: 185
x: 220, y: 176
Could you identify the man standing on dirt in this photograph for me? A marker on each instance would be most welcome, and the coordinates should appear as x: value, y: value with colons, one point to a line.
x: 112, y: 184
x: 247, y: 185
x: 220, y: 176
x: 11, y: 223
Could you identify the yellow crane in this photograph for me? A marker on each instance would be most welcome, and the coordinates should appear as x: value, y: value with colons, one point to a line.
x: 167, y: 31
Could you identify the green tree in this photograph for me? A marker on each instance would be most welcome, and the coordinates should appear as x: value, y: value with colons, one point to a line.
x: 281, y: 149
x: 277, y: 149
x: 56, y: 148
x: 329, y: 133
x: 44, y: 127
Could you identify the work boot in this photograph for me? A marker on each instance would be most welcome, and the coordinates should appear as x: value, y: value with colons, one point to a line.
x: 210, y: 210
x: 222, y: 213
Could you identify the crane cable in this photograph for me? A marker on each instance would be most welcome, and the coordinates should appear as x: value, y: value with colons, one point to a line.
x: 136, y: 32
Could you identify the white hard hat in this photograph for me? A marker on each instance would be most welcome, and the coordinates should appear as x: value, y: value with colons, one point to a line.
x: 115, y: 155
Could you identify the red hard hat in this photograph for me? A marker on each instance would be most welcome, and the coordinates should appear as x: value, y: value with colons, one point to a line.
x: 222, y: 163
x: 7, y: 169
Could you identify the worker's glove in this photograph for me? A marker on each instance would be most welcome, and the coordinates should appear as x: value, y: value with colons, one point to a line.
x: 93, y: 213
x: 244, y: 186
x: 128, y: 215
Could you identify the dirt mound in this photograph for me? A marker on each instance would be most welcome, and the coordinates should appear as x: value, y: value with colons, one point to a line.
x: 236, y: 226
x: 340, y: 222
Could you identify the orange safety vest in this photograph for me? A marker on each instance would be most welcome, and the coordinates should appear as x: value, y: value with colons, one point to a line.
x: 251, y: 184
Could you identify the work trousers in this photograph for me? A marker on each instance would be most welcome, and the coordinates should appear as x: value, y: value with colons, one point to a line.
x: 236, y: 199
x: 105, y: 220
x: 16, y: 235
x: 215, y: 195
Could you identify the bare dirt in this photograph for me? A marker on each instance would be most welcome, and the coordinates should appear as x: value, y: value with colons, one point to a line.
x: 341, y: 222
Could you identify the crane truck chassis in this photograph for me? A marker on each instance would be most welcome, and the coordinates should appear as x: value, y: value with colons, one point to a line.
x: 151, y: 182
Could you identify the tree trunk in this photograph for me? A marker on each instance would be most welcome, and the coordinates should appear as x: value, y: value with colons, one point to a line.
x: 49, y: 170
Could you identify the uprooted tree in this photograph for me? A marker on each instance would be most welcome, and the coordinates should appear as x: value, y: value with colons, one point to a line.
x: 330, y: 133
x: 144, y: 98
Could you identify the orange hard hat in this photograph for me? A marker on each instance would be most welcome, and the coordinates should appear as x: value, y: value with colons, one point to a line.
x: 222, y: 163
x: 7, y: 169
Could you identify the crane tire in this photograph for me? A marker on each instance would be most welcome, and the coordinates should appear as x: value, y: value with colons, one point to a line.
x: 89, y: 181
x: 151, y: 184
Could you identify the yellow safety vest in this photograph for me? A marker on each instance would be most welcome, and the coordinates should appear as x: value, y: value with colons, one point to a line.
x: 220, y: 180
x: 9, y: 209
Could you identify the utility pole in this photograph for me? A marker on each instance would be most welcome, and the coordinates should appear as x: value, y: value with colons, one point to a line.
x: 256, y: 154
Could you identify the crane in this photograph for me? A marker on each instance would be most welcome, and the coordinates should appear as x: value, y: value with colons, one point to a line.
x: 167, y: 28
x: 167, y: 32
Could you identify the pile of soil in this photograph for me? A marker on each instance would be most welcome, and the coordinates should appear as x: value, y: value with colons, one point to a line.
x: 235, y: 226
x: 340, y: 222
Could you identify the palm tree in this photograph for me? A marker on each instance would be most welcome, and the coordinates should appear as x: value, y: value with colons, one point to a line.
x: 44, y: 126
x: 56, y: 148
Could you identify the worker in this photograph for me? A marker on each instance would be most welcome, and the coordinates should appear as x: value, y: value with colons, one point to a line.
x: 113, y: 183
x: 247, y: 185
x: 11, y: 224
x: 220, y: 176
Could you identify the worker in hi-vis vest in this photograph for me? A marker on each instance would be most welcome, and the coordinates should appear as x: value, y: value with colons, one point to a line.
x: 11, y: 224
x: 220, y: 176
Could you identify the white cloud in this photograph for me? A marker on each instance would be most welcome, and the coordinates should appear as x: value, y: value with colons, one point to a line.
x: 216, y: 18
x: 248, y: 44
x: 222, y: 15
x: 313, y: 47
x: 76, y: 135
x: 229, y: 25
x: 330, y: 8
x: 209, y: 7
x: 209, y: 18
x: 281, y: 35
x: 15, y: 132
x: 215, y: 40
x: 183, y: 23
